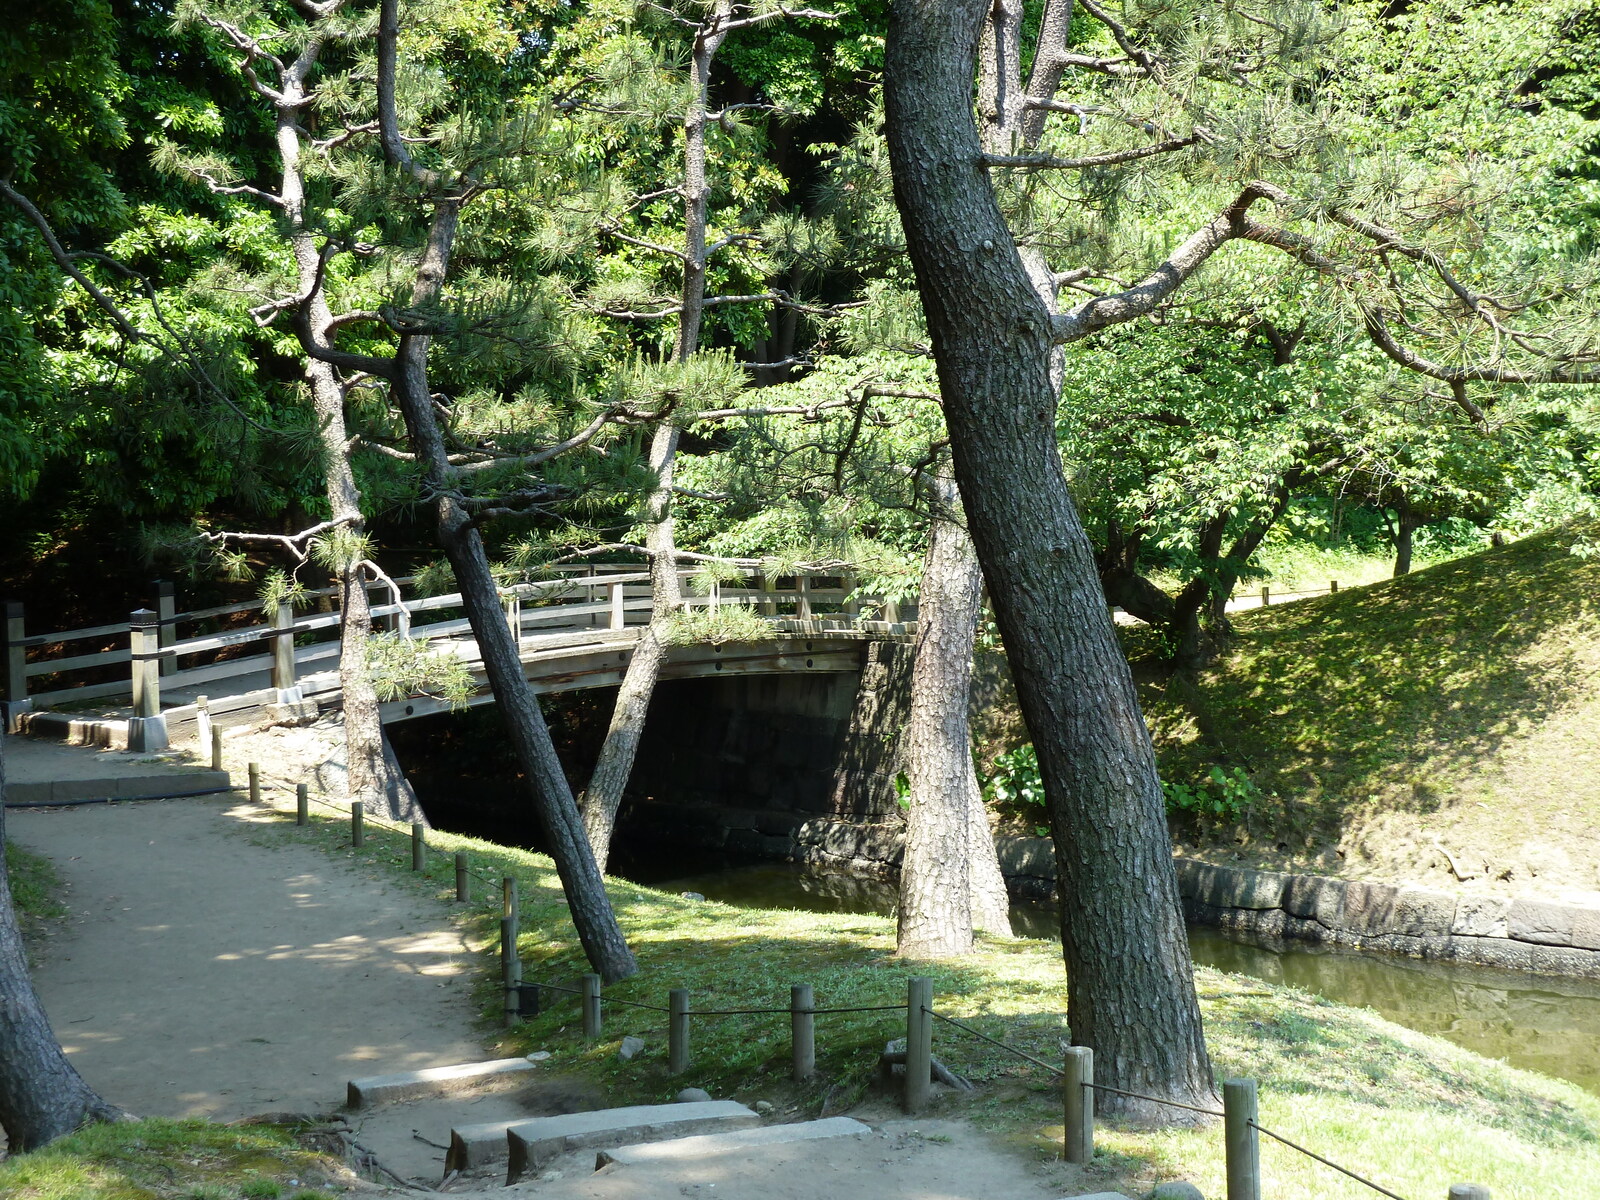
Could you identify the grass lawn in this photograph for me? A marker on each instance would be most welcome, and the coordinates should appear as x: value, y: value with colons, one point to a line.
x: 1344, y: 1082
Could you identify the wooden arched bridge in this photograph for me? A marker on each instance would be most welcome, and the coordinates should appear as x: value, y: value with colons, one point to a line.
x: 576, y: 630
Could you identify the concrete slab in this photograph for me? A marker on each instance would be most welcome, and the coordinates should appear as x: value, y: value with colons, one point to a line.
x: 431, y: 1081
x: 45, y: 772
x: 532, y: 1143
x: 707, y: 1144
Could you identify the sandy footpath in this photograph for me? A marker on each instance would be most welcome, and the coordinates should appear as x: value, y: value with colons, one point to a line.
x: 213, y: 969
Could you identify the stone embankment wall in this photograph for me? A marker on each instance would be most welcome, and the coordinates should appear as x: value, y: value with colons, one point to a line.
x: 1516, y: 933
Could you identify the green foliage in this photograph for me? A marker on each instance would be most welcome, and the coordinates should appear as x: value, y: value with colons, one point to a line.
x: 1015, y: 787
x: 715, y: 626
x: 401, y: 666
x: 1221, y: 796
x: 278, y: 587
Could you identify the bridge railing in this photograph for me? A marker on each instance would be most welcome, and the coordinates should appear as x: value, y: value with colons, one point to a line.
x: 280, y: 649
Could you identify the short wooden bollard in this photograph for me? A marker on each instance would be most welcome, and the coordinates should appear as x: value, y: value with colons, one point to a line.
x: 678, y: 1030
x: 510, y: 970
x: 216, y: 748
x: 302, y: 804
x: 254, y: 772
x: 509, y: 904
x: 1077, y: 1098
x: 1333, y: 587
x: 1468, y: 1191
x: 1240, y: 1141
x: 591, y: 1005
x: 419, y: 846
x: 358, y: 823
x: 919, y: 1043
x: 463, y: 880
x: 803, y: 1030
x: 1266, y: 597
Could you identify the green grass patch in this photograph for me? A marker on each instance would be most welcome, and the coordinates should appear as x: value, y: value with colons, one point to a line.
x: 171, y: 1160
x: 1408, y: 696
x: 1344, y: 1082
x: 35, y: 888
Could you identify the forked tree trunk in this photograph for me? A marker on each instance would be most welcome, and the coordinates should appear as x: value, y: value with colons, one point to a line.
x: 950, y: 878
x: 42, y: 1096
x: 373, y: 774
x: 562, y: 827
x: 1132, y: 995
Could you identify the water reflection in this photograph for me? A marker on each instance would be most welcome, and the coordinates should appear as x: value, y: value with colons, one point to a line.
x: 1547, y: 1025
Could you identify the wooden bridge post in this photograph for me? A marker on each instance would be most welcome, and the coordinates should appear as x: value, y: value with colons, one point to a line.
x: 619, y: 611
x: 15, y: 701
x: 167, y: 612
x: 283, y: 650
x: 851, y: 606
x: 769, y: 583
x: 802, y: 585
x: 513, y: 606
x: 147, y: 728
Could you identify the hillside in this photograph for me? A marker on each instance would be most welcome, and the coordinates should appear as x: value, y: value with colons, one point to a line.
x: 1457, y: 707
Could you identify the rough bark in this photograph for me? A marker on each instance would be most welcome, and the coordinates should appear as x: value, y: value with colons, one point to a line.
x: 602, y: 798
x: 42, y: 1096
x: 950, y: 879
x: 373, y: 774
x: 1132, y: 995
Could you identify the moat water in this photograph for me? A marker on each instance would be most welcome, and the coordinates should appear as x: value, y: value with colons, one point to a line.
x: 1537, y: 1022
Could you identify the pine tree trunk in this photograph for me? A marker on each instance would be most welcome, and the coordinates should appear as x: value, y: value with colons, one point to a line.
x: 1403, y: 542
x: 373, y: 774
x: 950, y: 873
x: 1132, y: 995
x: 602, y: 798
x: 42, y: 1096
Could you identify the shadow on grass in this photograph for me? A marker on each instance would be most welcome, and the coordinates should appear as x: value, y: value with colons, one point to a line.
x: 1393, y: 690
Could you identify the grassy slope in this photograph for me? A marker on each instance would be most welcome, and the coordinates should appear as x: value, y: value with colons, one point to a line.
x: 1459, y: 703
x: 1345, y: 1082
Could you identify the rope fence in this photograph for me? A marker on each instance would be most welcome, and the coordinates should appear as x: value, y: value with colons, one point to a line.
x: 1241, y: 1130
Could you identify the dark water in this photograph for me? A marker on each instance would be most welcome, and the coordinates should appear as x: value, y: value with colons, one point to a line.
x: 1542, y: 1024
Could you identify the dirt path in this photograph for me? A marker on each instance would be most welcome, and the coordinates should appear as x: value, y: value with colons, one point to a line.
x: 213, y: 968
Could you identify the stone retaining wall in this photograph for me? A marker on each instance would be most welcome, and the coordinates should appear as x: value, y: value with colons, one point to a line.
x: 1511, y: 932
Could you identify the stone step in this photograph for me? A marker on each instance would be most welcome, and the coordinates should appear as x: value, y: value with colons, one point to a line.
x: 430, y: 1081
x: 531, y: 1144
x: 707, y: 1144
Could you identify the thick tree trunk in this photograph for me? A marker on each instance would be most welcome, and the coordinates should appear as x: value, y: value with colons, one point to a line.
x: 602, y: 798
x: 42, y: 1096
x: 950, y: 872
x: 1403, y: 541
x: 1132, y: 992
x: 562, y: 827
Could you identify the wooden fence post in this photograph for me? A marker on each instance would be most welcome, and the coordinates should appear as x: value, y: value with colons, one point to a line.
x: 1468, y: 1191
x: 419, y: 846
x: 678, y: 1031
x: 254, y: 772
x: 16, y: 682
x: 463, y: 880
x: 802, y: 587
x: 803, y: 1031
x: 510, y: 904
x: 513, y: 609
x: 850, y: 605
x: 769, y: 584
x: 147, y: 728
x: 1078, y: 1103
x: 358, y: 823
x: 511, y: 969
x: 619, y: 611
x: 591, y: 1005
x: 166, y: 613
x: 283, y: 649
x: 1333, y: 587
x: 302, y: 804
x: 1266, y: 596
x: 1241, y: 1143
x: 919, y: 1042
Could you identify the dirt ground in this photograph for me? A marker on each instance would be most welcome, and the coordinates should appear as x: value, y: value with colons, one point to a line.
x: 209, y: 969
